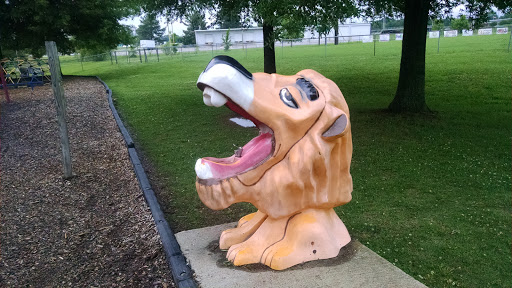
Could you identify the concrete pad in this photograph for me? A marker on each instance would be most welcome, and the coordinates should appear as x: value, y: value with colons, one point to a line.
x: 355, y: 266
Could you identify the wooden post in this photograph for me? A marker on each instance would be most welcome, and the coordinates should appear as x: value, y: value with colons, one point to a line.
x: 374, y: 43
x: 157, y: 56
x: 438, y: 39
x: 111, y: 61
x: 60, y: 103
x: 140, y: 57
x: 4, y: 84
x: 510, y: 39
x: 115, y: 55
x: 145, y: 56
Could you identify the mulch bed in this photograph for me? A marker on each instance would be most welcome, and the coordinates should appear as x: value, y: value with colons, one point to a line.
x: 90, y: 231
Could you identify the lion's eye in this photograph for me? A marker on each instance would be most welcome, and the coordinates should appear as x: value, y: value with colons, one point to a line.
x: 287, y: 98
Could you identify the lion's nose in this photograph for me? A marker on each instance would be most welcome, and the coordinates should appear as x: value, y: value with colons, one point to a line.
x: 225, y: 79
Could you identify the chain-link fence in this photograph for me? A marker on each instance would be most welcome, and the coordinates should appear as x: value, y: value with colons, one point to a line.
x: 321, y: 45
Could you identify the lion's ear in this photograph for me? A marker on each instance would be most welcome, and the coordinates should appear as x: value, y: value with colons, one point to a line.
x: 338, y: 128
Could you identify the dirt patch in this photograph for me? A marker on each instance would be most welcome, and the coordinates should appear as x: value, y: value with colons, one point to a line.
x: 92, y: 230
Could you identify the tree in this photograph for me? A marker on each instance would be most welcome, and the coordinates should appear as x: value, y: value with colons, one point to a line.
x: 267, y: 13
x: 438, y: 25
x: 410, y: 92
x: 274, y: 14
x: 195, y: 21
x: 226, y: 40
x: 92, y: 24
x: 291, y: 29
x: 149, y: 28
x: 229, y: 18
x: 460, y: 23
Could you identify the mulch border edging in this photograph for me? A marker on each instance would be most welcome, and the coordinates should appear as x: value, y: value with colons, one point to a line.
x: 181, y: 271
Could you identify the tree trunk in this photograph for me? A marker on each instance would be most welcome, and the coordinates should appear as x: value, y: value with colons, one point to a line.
x: 410, y: 93
x: 336, y: 34
x: 269, y: 55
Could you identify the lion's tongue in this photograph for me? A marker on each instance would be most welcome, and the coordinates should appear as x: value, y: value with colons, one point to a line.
x: 252, y: 154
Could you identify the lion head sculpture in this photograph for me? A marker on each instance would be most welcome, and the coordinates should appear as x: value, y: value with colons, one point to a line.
x: 294, y: 172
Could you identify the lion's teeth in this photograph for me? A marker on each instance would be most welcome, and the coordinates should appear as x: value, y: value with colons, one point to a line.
x: 216, y: 98
x: 203, y: 170
x: 207, y: 100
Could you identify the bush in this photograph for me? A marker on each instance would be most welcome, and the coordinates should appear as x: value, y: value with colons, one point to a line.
x: 227, y: 41
x: 438, y: 25
x: 460, y: 24
x: 170, y: 48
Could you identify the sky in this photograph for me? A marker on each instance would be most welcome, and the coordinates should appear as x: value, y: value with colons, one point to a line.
x: 176, y: 27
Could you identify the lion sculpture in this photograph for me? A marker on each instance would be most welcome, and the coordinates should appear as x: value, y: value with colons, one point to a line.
x: 294, y: 172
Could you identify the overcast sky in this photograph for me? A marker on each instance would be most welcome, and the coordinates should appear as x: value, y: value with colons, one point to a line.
x: 178, y: 27
x: 175, y: 27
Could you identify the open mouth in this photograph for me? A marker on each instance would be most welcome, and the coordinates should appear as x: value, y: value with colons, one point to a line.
x: 246, y: 158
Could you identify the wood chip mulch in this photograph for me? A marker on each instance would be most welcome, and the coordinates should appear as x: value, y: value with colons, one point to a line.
x: 90, y: 231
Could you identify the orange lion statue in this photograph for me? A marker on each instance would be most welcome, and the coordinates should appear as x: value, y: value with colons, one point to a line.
x: 294, y: 172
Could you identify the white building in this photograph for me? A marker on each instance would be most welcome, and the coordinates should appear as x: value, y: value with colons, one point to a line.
x: 237, y: 35
x: 346, y: 32
x: 349, y: 29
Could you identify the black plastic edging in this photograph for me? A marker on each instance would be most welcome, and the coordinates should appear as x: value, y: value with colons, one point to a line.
x: 127, y: 138
x: 181, y: 272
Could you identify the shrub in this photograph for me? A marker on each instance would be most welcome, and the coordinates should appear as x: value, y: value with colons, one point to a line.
x: 227, y: 41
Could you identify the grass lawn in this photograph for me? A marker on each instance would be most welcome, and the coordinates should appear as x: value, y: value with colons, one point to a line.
x: 432, y: 193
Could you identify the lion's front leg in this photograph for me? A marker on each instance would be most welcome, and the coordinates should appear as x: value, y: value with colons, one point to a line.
x: 281, y: 243
x: 247, y: 225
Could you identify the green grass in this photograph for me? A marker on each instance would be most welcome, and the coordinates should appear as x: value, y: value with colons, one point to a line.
x: 432, y: 193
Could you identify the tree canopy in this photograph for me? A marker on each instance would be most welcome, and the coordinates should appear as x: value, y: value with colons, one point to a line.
x: 149, y: 28
x: 194, y: 21
x: 286, y: 16
x: 91, y: 24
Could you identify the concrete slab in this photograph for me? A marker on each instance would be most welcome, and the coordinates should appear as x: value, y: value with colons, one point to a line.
x: 355, y: 266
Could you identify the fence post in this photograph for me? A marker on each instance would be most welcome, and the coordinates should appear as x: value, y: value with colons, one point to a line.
x: 325, y: 54
x: 111, y: 62
x: 82, y: 61
x: 509, y: 39
x: 4, y: 85
x: 140, y: 57
x: 60, y: 101
x: 157, y: 56
x: 145, y: 56
x: 374, y: 41
x: 438, y: 40
x: 115, y: 55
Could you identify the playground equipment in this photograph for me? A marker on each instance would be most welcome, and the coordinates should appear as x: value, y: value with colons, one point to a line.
x: 295, y: 172
x: 25, y: 72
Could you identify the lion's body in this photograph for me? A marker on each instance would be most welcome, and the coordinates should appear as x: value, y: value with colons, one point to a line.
x: 296, y: 187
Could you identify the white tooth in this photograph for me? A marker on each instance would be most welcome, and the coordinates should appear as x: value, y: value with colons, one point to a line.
x: 203, y: 170
x: 207, y: 100
x: 217, y: 99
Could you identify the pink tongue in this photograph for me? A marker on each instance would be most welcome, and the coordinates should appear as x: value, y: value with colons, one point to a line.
x: 253, y: 154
